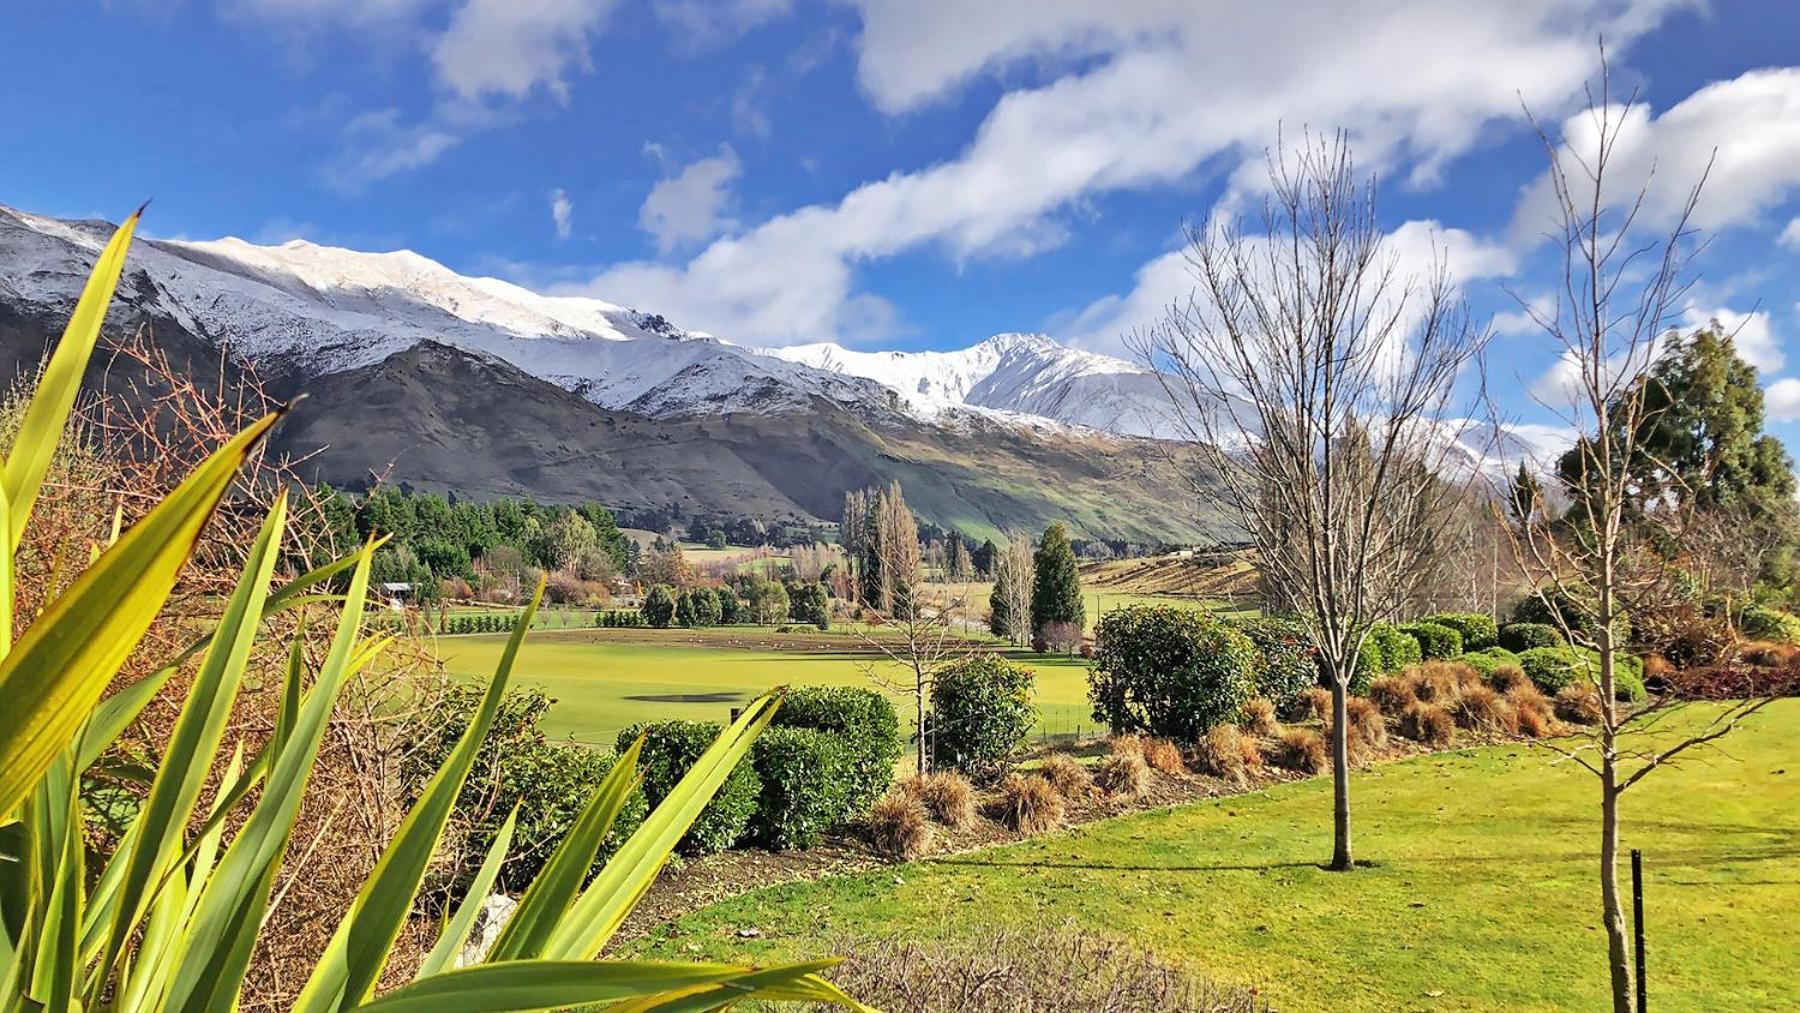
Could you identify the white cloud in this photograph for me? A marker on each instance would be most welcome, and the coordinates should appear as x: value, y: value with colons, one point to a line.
x: 692, y: 205
x: 562, y: 211
x: 1752, y: 122
x: 700, y: 25
x: 378, y: 144
x: 509, y: 48
x: 1162, y: 88
x: 1781, y: 400
x: 1751, y: 334
x: 1790, y: 236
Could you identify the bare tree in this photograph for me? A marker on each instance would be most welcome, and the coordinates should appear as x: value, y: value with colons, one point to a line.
x: 1314, y: 372
x: 1015, y: 572
x: 1619, y: 288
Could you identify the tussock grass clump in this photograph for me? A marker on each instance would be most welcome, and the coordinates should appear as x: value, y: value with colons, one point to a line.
x: 1439, y: 682
x: 1508, y: 678
x: 1392, y: 693
x: 1579, y: 704
x: 1068, y: 776
x: 1127, y: 745
x: 1427, y: 723
x: 899, y: 827
x: 1318, y: 701
x: 1302, y: 750
x: 1164, y: 756
x: 1756, y: 652
x: 1125, y: 775
x: 1480, y: 709
x: 1221, y: 753
x: 1030, y: 805
x: 946, y: 795
x: 1368, y: 727
x: 1534, y: 723
x: 1259, y: 717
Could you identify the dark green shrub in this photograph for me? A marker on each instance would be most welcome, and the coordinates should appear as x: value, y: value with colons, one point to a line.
x: 516, y: 765
x: 1169, y: 671
x: 1520, y: 637
x: 1573, y: 608
x: 1285, y: 665
x: 1486, y: 661
x: 1437, y: 642
x: 658, y: 607
x: 1398, y: 647
x: 981, y: 712
x: 670, y: 749
x: 1553, y: 668
x: 1370, y: 664
x: 1760, y: 622
x: 804, y: 775
x: 1478, y: 629
x: 865, y: 720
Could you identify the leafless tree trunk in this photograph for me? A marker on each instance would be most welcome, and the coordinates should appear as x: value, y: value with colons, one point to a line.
x: 1618, y: 295
x: 1015, y: 573
x: 1315, y: 372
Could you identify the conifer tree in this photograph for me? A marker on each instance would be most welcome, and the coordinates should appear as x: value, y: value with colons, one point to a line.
x: 1056, y: 588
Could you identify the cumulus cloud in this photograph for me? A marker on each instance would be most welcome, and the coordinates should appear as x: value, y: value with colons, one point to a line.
x: 701, y: 25
x: 1781, y: 400
x: 562, y: 212
x: 378, y: 144
x: 509, y: 48
x: 691, y: 206
x: 1790, y: 236
x: 1750, y: 332
x: 1143, y: 93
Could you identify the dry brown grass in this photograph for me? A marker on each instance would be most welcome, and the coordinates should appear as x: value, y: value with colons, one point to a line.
x: 1368, y: 725
x: 1259, y: 717
x: 1763, y: 653
x: 1068, y: 776
x: 1439, y: 682
x: 1318, y: 701
x: 1579, y: 704
x: 1123, y: 775
x: 1392, y: 693
x: 1030, y: 805
x: 1127, y: 745
x: 1302, y: 750
x: 1427, y: 723
x: 1480, y: 709
x: 1221, y: 753
x: 1507, y: 678
x: 1164, y: 756
x: 946, y: 795
x: 1535, y: 724
x: 899, y: 826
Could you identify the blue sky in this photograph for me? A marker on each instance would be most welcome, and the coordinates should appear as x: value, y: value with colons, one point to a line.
x: 893, y: 173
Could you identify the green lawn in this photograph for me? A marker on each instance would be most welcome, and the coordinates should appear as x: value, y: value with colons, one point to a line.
x: 602, y: 687
x: 1482, y: 895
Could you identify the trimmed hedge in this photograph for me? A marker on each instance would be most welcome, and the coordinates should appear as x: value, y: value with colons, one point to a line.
x: 1553, y: 668
x: 1285, y: 665
x: 1479, y: 630
x: 981, y: 712
x: 1520, y: 637
x: 1172, y: 672
x: 1437, y: 642
x: 865, y: 721
x: 1485, y: 661
x: 670, y: 748
x: 805, y: 781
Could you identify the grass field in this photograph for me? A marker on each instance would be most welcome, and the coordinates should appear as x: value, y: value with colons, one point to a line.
x: 601, y: 684
x: 1482, y: 894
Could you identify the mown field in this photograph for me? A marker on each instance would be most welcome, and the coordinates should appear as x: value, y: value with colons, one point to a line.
x: 605, y: 680
x: 1481, y: 895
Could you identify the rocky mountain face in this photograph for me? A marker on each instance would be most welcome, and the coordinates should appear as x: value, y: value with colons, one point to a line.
x: 482, y: 387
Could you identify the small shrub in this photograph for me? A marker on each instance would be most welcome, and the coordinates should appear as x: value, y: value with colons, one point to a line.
x: 1030, y: 805
x: 1318, y: 702
x: 1553, y: 668
x: 946, y: 795
x: 981, y: 712
x: 1068, y: 776
x: 899, y: 827
x: 805, y: 775
x: 1507, y: 678
x: 1628, y: 683
x: 1479, y: 631
x: 1427, y: 723
x: 1398, y: 647
x: 1760, y: 622
x: 1437, y: 642
x: 670, y: 749
x: 866, y: 723
x: 1368, y: 727
x: 1301, y: 750
x: 1165, y: 756
x: 1392, y: 693
x: 1259, y: 717
x: 1123, y: 774
x: 1579, y: 704
x: 1522, y: 637
x: 1480, y: 709
x: 1488, y: 659
x: 1285, y: 664
x: 1169, y: 671
x: 1221, y: 754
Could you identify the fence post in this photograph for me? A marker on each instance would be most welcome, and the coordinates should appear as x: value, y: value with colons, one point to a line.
x: 1637, y: 914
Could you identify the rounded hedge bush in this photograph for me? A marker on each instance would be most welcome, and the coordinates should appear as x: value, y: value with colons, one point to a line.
x: 804, y: 775
x: 1519, y: 637
x: 1370, y: 665
x: 1478, y: 629
x: 1553, y: 668
x: 1398, y: 648
x: 670, y: 749
x: 865, y: 720
x: 1437, y: 642
x: 1173, y: 672
x: 1285, y: 665
x: 1485, y: 661
x: 981, y: 712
